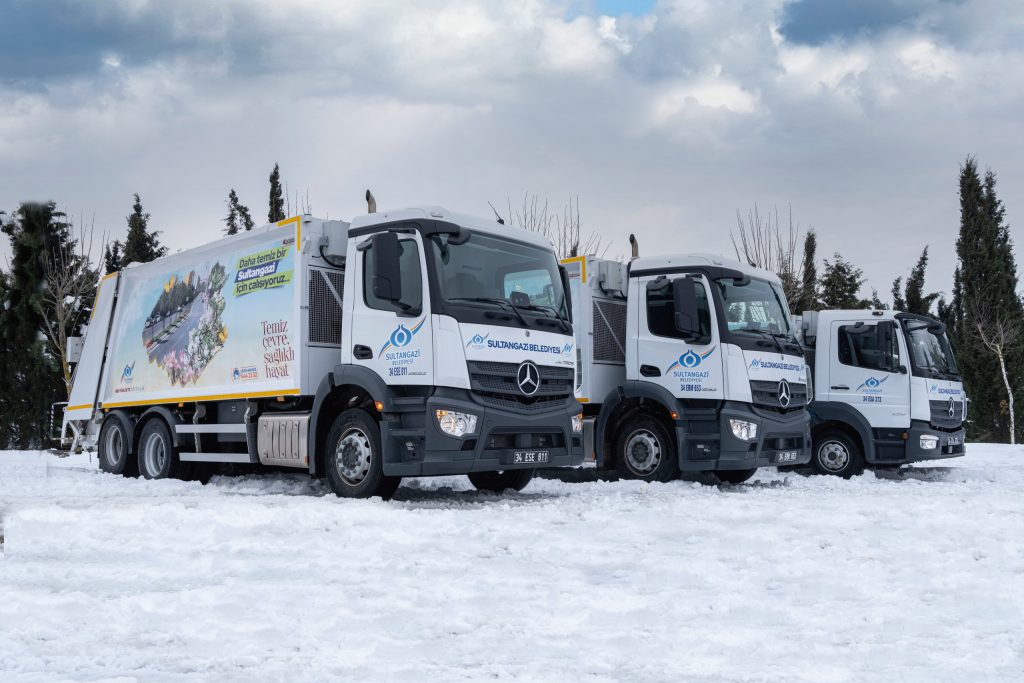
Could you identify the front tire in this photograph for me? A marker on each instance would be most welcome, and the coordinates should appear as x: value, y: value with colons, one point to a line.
x: 644, y: 450
x: 497, y: 482
x: 838, y: 454
x: 734, y: 476
x: 113, y: 448
x: 354, y: 458
x: 157, y: 457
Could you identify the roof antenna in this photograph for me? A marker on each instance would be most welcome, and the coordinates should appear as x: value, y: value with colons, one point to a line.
x: 636, y: 247
x: 501, y: 221
x: 371, y: 203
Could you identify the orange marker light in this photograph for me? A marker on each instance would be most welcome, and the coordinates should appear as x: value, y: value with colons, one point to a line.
x: 379, y: 406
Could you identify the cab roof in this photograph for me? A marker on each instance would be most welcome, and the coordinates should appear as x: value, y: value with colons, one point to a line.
x: 439, y: 213
x: 699, y: 260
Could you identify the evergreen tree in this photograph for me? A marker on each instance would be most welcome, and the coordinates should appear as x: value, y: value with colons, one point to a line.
x: 840, y: 285
x: 809, y: 278
x: 276, y: 212
x: 32, y: 374
x: 985, y: 295
x: 112, y: 256
x: 238, y: 215
x: 141, y: 245
x: 7, y: 397
x: 875, y: 302
x: 913, y: 299
x: 898, y: 302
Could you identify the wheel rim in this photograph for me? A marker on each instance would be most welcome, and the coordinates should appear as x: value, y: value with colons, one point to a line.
x: 113, y: 447
x: 643, y: 452
x: 353, y: 456
x: 833, y: 456
x: 154, y: 455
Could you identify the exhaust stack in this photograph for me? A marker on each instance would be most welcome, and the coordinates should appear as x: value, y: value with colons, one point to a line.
x: 371, y: 203
x: 635, y: 246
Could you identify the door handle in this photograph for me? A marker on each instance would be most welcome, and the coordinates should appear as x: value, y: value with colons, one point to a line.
x: 650, y: 371
x: 362, y: 352
x: 840, y: 387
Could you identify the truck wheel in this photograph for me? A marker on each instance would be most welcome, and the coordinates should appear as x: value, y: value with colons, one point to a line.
x: 838, y: 454
x: 500, y: 481
x: 354, y: 460
x: 734, y: 476
x: 157, y: 456
x: 113, y: 448
x: 644, y: 450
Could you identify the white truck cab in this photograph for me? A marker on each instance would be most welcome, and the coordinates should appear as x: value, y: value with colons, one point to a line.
x: 687, y: 363
x: 887, y: 390
x: 405, y: 343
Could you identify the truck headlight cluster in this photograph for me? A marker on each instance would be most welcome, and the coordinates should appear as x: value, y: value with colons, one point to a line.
x: 577, y: 423
x: 454, y: 423
x: 742, y: 429
x: 929, y: 442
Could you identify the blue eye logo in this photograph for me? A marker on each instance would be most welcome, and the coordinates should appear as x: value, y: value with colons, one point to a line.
x: 477, y: 341
x: 567, y: 348
x: 402, y: 336
x: 126, y: 374
x: 872, y: 383
x: 690, y: 359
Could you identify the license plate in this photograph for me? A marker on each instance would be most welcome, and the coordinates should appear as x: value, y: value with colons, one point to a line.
x: 954, y: 441
x: 529, y: 457
x: 787, y: 456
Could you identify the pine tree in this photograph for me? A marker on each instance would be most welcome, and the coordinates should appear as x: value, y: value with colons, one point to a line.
x: 809, y: 278
x: 32, y: 375
x: 276, y: 212
x: 141, y: 245
x: 913, y: 299
x: 112, y: 256
x: 231, y: 222
x: 840, y: 285
x: 876, y: 303
x: 7, y: 379
x: 985, y: 300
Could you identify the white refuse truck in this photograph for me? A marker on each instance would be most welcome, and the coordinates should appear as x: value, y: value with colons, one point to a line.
x: 687, y: 363
x: 405, y: 343
x: 887, y: 390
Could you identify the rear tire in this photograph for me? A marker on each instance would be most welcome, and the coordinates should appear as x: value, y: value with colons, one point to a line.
x: 838, y: 454
x: 157, y: 456
x: 113, y: 449
x: 644, y: 450
x: 497, y: 482
x: 734, y: 476
x: 354, y: 458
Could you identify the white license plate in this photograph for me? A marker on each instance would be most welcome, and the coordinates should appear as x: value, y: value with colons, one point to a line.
x: 953, y: 441
x: 787, y: 456
x: 529, y: 457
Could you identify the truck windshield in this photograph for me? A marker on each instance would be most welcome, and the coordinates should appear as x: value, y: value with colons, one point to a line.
x: 488, y: 272
x: 758, y: 307
x: 930, y: 352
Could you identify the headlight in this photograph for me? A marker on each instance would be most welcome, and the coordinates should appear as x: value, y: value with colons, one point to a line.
x: 742, y: 429
x: 454, y: 423
x: 929, y: 442
x: 577, y: 423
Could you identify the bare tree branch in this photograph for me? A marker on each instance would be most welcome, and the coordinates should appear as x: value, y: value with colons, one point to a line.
x: 764, y: 244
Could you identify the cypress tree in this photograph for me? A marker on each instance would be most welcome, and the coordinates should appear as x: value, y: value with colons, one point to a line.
x: 840, y: 285
x: 913, y: 299
x: 231, y: 227
x: 112, y: 256
x: 276, y: 212
x: 985, y: 293
x: 142, y: 245
x: 809, y: 278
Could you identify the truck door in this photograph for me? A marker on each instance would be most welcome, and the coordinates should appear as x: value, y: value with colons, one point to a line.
x: 688, y: 368
x: 393, y: 338
x: 864, y: 371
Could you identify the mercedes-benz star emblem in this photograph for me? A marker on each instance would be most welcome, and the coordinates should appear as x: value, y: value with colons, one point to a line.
x: 528, y: 378
x: 784, y: 394
x: 952, y: 408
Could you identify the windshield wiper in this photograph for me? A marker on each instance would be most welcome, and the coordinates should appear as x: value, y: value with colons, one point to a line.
x: 504, y: 303
x: 763, y: 333
x: 562, y: 322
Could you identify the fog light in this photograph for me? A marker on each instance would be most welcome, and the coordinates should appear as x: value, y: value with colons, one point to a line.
x: 454, y: 423
x: 929, y: 442
x: 742, y: 429
x: 577, y: 423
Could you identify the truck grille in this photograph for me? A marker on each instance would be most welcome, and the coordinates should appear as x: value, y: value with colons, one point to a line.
x: 766, y: 396
x: 495, y: 384
x: 940, y: 417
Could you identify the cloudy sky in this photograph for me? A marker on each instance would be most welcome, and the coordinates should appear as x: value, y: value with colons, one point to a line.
x: 664, y: 117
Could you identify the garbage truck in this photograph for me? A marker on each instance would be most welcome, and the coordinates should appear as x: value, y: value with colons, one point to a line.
x: 404, y: 343
x: 887, y: 390
x: 686, y: 363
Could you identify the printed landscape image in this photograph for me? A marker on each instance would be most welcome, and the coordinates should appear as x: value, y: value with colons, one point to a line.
x: 185, y: 329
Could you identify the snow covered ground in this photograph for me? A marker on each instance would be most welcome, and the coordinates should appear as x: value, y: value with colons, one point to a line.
x: 786, y: 578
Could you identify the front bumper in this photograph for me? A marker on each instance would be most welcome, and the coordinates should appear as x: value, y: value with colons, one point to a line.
x: 416, y: 446
x: 945, y: 448
x: 709, y: 444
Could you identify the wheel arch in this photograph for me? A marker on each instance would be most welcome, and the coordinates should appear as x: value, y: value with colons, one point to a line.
x: 630, y: 399
x: 154, y: 413
x: 833, y: 415
x: 127, y: 423
x: 346, y: 387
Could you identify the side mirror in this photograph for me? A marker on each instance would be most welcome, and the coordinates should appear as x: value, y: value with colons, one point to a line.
x: 564, y: 275
x: 387, y: 274
x: 685, y: 297
x: 883, y: 341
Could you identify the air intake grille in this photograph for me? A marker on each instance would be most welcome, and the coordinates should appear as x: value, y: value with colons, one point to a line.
x: 609, y: 331
x: 495, y: 383
x: 766, y: 395
x: 940, y: 414
x: 324, y: 307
